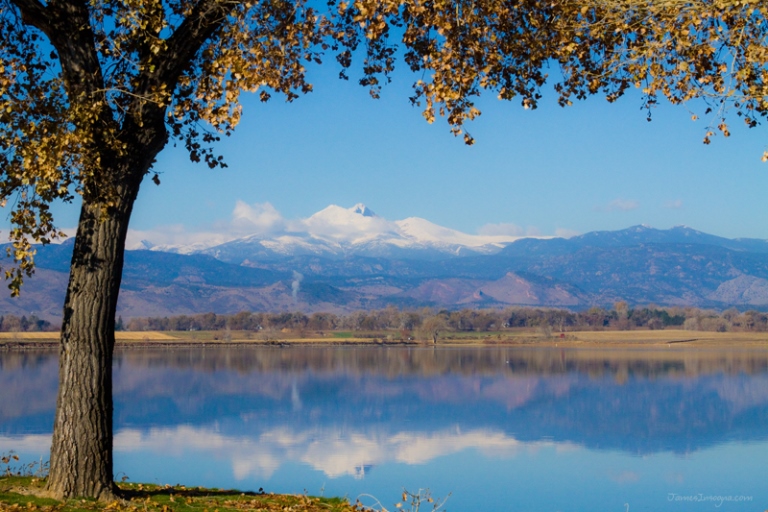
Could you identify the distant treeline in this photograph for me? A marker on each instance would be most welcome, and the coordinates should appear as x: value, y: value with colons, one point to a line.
x: 12, y: 323
x: 620, y: 317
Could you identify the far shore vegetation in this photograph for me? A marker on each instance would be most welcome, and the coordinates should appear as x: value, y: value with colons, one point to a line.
x: 620, y: 323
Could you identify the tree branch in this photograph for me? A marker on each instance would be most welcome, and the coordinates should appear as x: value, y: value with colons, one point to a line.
x: 180, y: 50
x: 35, y: 14
x: 189, y: 37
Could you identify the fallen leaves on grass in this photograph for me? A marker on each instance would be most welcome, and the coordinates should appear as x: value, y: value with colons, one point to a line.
x: 154, y: 498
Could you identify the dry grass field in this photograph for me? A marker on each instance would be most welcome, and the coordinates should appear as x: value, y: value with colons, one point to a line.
x: 120, y: 336
x: 669, y: 337
x: 29, y: 335
x: 672, y: 336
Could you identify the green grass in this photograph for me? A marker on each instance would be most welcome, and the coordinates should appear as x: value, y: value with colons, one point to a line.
x: 153, y: 498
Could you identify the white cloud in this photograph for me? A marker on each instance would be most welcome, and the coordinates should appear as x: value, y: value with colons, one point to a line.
x: 502, y: 228
x: 175, y: 234
x: 674, y: 205
x: 247, y: 219
x: 508, y: 229
x: 258, y: 218
x: 339, y: 223
x: 620, y: 205
x: 566, y: 233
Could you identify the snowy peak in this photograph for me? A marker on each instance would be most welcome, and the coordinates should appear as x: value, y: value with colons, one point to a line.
x: 422, y: 229
x: 363, y: 210
x: 336, y: 231
x: 425, y: 231
x: 347, y: 225
x: 359, y: 215
x: 142, y: 245
x: 333, y: 214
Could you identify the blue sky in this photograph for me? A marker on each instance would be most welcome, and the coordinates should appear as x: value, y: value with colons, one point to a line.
x: 553, y: 170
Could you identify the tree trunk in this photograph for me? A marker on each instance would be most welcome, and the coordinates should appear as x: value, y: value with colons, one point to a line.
x: 81, y: 451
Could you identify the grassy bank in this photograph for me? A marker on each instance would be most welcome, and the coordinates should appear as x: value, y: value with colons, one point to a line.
x: 20, y: 493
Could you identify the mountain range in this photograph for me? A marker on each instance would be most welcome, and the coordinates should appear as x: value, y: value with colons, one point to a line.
x: 337, y: 232
x: 349, y: 259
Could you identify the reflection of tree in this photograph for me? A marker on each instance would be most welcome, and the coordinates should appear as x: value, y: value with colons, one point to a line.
x: 393, y: 361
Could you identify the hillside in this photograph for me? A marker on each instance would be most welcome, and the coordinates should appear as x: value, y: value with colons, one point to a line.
x: 640, y: 265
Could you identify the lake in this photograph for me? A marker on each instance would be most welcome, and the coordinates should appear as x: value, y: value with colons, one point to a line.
x: 491, y: 428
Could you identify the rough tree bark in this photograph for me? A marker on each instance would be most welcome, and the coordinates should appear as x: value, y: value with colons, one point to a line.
x: 81, y: 452
x: 81, y: 461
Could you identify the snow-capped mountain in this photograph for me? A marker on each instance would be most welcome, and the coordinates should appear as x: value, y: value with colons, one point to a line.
x: 640, y: 265
x: 193, y: 248
x: 336, y: 232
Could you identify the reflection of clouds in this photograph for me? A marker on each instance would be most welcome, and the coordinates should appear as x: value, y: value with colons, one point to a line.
x: 625, y: 477
x: 674, y: 478
x: 338, y: 457
x: 742, y: 393
x: 515, y: 392
x: 566, y: 447
x: 414, y: 448
x: 334, y: 452
x: 260, y: 464
x: 247, y: 456
x: 36, y: 443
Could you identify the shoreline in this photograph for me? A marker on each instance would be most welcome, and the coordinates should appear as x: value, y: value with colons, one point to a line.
x: 677, y: 339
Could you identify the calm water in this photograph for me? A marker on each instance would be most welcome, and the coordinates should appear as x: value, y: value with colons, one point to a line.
x: 503, y: 429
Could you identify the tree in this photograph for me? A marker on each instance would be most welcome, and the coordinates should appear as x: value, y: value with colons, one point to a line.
x: 432, y: 326
x: 91, y: 92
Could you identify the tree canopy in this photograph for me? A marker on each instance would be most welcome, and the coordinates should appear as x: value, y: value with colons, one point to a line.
x: 713, y: 50
x: 77, y: 78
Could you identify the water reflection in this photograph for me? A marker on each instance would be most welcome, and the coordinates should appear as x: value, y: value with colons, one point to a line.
x: 352, y: 419
x: 329, y: 450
